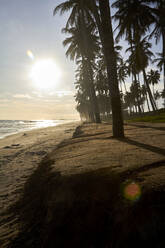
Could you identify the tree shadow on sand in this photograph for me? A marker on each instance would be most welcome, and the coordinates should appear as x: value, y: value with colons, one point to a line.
x: 145, y: 126
x: 86, y: 210
x: 148, y: 147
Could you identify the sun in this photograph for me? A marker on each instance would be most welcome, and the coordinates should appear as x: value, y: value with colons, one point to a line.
x: 45, y: 74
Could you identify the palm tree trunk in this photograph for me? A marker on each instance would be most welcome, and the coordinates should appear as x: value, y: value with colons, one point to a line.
x: 93, y: 97
x: 121, y: 89
x: 91, y: 116
x: 94, y: 109
x: 138, y: 78
x: 153, y: 90
x: 137, y: 98
x: 98, y: 22
x: 149, y: 91
x: 148, y: 103
x: 164, y: 81
x: 163, y: 40
x: 142, y: 103
x: 142, y: 107
x: 125, y: 86
x: 110, y: 57
x: 138, y: 104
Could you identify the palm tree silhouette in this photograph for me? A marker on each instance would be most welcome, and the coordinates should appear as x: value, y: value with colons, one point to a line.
x: 110, y: 58
x: 87, y: 11
x: 153, y: 77
x: 122, y: 72
x: 144, y: 94
x: 159, y: 30
x: 160, y: 64
x: 157, y: 95
x: 76, y: 8
x: 134, y: 18
x: 78, y: 49
x: 140, y: 57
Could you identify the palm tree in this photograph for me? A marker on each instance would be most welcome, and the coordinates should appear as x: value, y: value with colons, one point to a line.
x: 160, y: 64
x: 128, y: 101
x: 140, y: 57
x: 76, y: 8
x: 157, y: 95
x: 84, y: 106
x: 101, y: 80
x: 134, y: 18
x: 102, y: 88
x: 78, y: 48
x: 136, y: 93
x: 86, y: 10
x: 80, y: 15
x: 163, y: 96
x: 122, y: 72
x: 81, y: 8
x: 159, y: 29
x: 110, y: 58
x: 153, y: 77
x: 144, y: 94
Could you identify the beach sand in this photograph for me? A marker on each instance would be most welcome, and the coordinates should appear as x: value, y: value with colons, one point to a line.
x: 20, y: 155
x: 92, y: 190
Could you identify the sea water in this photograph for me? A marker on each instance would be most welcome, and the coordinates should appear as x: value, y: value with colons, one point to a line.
x: 8, y: 127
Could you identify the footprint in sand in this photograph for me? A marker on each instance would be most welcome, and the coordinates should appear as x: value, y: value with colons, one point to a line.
x: 6, y: 147
x: 39, y: 153
x: 12, y: 146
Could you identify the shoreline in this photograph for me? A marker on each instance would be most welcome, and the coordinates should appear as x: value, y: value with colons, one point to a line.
x: 36, y: 128
x: 20, y: 155
x: 18, y: 134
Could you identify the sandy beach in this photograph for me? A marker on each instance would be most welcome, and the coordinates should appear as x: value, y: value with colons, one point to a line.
x: 89, y: 190
x: 20, y: 155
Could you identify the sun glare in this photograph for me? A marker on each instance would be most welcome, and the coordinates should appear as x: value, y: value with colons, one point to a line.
x: 45, y: 74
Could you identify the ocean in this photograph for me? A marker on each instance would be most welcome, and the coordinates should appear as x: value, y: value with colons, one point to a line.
x: 8, y: 127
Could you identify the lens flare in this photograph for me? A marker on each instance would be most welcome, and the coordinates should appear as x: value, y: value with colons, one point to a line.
x: 30, y: 54
x: 132, y: 191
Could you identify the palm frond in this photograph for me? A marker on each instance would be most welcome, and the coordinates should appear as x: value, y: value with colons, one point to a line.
x: 67, y: 41
x: 63, y: 7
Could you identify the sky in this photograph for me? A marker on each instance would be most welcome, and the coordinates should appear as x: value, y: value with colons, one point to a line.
x: 29, y: 25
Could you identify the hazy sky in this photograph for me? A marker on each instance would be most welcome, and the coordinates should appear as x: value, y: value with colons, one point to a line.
x: 30, y: 25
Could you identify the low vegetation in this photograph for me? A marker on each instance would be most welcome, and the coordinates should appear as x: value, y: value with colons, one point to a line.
x: 154, y: 118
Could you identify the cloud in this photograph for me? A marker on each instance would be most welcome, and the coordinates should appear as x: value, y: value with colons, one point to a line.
x: 32, y: 106
x: 39, y: 110
x: 61, y: 93
x: 22, y: 96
